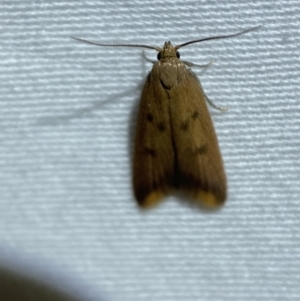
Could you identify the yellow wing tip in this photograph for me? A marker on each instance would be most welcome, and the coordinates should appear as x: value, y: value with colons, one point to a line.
x: 205, y: 198
x: 209, y: 200
x: 152, y: 199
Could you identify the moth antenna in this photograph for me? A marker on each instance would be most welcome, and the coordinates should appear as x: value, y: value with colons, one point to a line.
x: 218, y: 37
x: 116, y: 45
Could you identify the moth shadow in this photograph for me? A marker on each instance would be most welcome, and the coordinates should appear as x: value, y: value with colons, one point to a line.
x: 133, y: 116
x: 97, y: 105
x: 82, y: 112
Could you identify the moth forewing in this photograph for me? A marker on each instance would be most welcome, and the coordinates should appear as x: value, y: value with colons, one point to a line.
x: 200, y: 172
x: 153, y: 162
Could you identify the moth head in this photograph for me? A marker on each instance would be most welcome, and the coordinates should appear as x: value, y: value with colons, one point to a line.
x: 168, y: 51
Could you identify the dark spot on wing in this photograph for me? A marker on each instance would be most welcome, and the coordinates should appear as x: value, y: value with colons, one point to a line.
x: 149, y: 117
x: 150, y: 151
x: 161, y: 127
x: 195, y: 115
x: 201, y: 150
x: 184, y: 126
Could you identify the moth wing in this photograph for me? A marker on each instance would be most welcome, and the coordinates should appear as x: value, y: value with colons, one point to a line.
x: 199, y: 167
x: 153, y: 162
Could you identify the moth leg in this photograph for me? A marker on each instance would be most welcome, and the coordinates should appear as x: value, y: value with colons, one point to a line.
x: 213, y: 105
x: 145, y: 57
x: 190, y: 64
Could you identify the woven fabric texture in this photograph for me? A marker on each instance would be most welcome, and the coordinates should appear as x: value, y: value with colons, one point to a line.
x: 67, y: 117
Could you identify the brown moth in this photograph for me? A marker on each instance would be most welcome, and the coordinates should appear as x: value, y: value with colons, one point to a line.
x: 176, y: 147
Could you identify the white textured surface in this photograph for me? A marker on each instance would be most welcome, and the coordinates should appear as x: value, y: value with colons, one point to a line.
x: 65, y: 157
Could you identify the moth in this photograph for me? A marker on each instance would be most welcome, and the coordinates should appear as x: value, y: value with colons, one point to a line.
x: 176, y: 147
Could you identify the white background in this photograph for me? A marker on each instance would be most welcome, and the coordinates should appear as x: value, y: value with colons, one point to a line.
x: 67, y: 120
